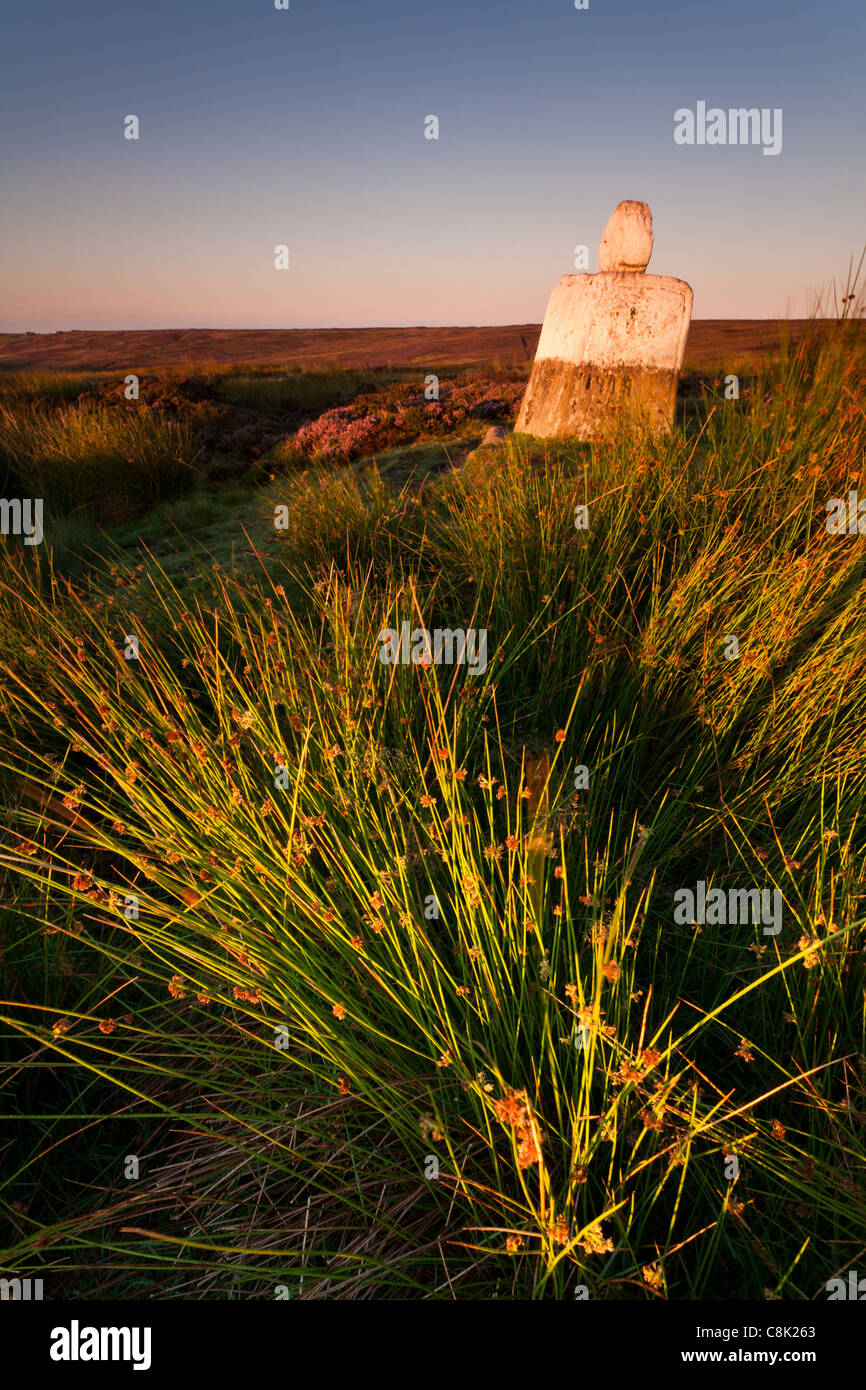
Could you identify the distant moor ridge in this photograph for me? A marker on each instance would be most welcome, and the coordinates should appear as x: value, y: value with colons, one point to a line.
x: 709, y: 341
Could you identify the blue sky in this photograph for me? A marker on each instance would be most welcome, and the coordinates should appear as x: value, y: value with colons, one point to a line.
x: 306, y: 127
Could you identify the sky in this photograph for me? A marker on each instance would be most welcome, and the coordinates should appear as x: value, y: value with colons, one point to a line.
x: 305, y: 127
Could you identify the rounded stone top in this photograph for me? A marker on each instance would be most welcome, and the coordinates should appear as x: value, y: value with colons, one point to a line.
x: 627, y: 241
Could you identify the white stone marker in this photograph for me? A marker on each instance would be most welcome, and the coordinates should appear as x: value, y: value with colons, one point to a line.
x: 612, y: 344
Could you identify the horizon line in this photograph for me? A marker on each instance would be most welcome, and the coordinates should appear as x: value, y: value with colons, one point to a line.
x: 368, y: 328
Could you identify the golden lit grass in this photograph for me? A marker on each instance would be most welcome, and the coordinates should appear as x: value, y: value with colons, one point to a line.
x: 287, y: 812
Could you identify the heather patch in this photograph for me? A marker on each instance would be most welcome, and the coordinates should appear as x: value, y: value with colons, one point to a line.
x: 387, y: 418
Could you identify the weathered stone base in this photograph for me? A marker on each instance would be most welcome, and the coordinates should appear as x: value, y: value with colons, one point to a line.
x: 582, y: 399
